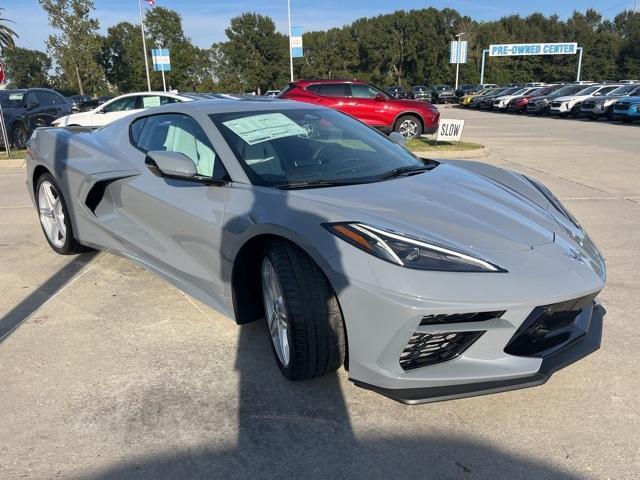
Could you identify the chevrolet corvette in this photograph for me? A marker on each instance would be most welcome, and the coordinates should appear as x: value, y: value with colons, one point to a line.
x: 427, y: 280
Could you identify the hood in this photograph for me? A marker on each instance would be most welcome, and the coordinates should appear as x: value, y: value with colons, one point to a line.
x: 628, y: 99
x: 448, y: 205
x: 74, y: 118
x: 570, y: 98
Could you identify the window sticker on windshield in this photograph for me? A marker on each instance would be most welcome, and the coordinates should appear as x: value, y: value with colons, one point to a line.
x: 16, y: 96
x: 262, y: 128
x: 150, y: 102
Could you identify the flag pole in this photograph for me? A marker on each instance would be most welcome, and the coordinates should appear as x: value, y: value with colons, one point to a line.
x: 290, y: 52
x: 144, y: 47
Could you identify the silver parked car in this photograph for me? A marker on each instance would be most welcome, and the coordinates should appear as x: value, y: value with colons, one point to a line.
x: 428, y: 280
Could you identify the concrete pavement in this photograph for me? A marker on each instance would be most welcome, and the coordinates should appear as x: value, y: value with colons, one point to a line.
x: 111, y: 373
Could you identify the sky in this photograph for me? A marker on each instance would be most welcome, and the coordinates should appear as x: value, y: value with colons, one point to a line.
x: 204, y: 21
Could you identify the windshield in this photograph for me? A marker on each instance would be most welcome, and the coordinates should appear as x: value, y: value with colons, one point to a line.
x: 624, y: 90
x: 281, y: 147
x: 588, y: 90
x: 568, y: 90
x: 11, y: 100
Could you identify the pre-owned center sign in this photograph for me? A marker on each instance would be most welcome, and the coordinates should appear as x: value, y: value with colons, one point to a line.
x: 514, y: 49
x: 518, y: 49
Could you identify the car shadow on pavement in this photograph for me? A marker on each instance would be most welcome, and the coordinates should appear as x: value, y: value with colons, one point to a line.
x: 48, y: 289
x: 304, y: 430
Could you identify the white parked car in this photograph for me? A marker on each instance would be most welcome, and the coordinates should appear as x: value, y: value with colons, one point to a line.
x: 501, y: 103
x: 570, y: 105
x: 120, y: 107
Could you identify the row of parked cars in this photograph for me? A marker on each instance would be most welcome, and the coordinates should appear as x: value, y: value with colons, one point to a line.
x: 24, y: 110
x: 432, y: 94
x: 610, y: 100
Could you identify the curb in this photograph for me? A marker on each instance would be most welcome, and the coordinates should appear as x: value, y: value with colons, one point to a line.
x: 12, y: 163
x: 458, y: 155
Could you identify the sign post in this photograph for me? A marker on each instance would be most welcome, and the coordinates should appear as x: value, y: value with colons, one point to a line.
x: 450, y: 130
x: 161, y: 63
x: 3, y: 126
x: 458, y: 54
x: 523, y: 49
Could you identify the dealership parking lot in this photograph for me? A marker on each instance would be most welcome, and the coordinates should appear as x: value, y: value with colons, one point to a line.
x: 111, y: 373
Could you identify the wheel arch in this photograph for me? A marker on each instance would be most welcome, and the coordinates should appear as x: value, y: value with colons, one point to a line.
x: 247, y: 302
x: 37, y: 173
x: 409, y: 112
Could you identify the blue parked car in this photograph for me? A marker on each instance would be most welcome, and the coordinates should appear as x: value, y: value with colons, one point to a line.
x: 627, y: 110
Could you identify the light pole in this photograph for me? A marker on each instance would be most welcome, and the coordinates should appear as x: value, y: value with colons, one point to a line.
x: 290, y: 52
x: 144, y: 46
x: 458, y: 44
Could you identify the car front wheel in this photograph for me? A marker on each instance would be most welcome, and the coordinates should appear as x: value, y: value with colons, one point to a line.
x: 409, y: 126
x: 302, y: 312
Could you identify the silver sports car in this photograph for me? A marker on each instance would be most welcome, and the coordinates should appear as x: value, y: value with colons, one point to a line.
x: 427, y: 280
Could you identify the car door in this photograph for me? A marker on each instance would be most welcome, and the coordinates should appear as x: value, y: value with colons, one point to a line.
x: 175, y: 224
x: 332, y: 95
x: 35, y: 114
x: 49, y: 109
x: 367, y: 105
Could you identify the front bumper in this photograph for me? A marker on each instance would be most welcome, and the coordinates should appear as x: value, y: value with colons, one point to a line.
x: 570, y: 353
x: 385, y: 311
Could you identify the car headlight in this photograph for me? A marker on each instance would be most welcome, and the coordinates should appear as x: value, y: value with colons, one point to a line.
x: 554, y: 201
x: 407, y: 251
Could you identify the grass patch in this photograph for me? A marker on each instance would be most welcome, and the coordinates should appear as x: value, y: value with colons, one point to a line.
x: 15, y: 154
x: 424, y: 144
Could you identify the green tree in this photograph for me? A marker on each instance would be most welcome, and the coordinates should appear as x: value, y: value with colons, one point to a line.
x: 627, y: 26
x: 77, y: 46
x: 7, y: 35
x: 255, y: 56
x: 121, y: 58
x: 27, y: 68
x: 190, y: 65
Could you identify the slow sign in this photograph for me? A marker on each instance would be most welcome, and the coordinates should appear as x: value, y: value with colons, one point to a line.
x: 450, y: 130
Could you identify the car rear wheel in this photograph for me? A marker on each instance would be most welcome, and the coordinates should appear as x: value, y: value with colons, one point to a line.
x: 302, y: 312
x: 54, y: 217
x: 19, y: 136
x: 409, y: 126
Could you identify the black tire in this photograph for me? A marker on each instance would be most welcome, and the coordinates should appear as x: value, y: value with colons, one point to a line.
x: 70, y: 245
x: 315, y: 331
x: 19, y: 136
x: 411, y: 119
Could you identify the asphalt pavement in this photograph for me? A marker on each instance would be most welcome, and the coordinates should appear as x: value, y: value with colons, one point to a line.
x: 107, y: 372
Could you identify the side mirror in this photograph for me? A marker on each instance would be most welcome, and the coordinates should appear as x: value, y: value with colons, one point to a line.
x: 398, y: 138
x: 32, y: 105
x: 171, y: 164
x: 380, y: 97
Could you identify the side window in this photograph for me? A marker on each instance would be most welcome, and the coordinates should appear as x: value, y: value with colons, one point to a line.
x: 334, y: 90
x: 174, y: 132
x: 168, y: 100
x: 45, y: 98
x: 31, y: 99
x: 128, y: 103
x: 314, y: 88
x: 363, y: 91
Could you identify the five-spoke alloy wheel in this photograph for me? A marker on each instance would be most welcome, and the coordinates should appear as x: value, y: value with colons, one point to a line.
x: 54, y: 217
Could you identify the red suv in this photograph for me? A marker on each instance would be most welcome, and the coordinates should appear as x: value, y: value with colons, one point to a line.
x: 368, y: 104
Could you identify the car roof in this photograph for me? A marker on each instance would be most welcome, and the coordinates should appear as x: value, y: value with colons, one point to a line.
x: 207, y: 107
x: 306, y: 82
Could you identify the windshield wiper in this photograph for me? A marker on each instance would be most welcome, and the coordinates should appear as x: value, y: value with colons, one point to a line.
x: 314, y: 184
x: 403, y: 171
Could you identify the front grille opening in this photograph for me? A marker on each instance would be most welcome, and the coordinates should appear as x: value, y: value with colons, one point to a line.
x: 426, y: 349
x: 460, y: 317
x: 548, y: 328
